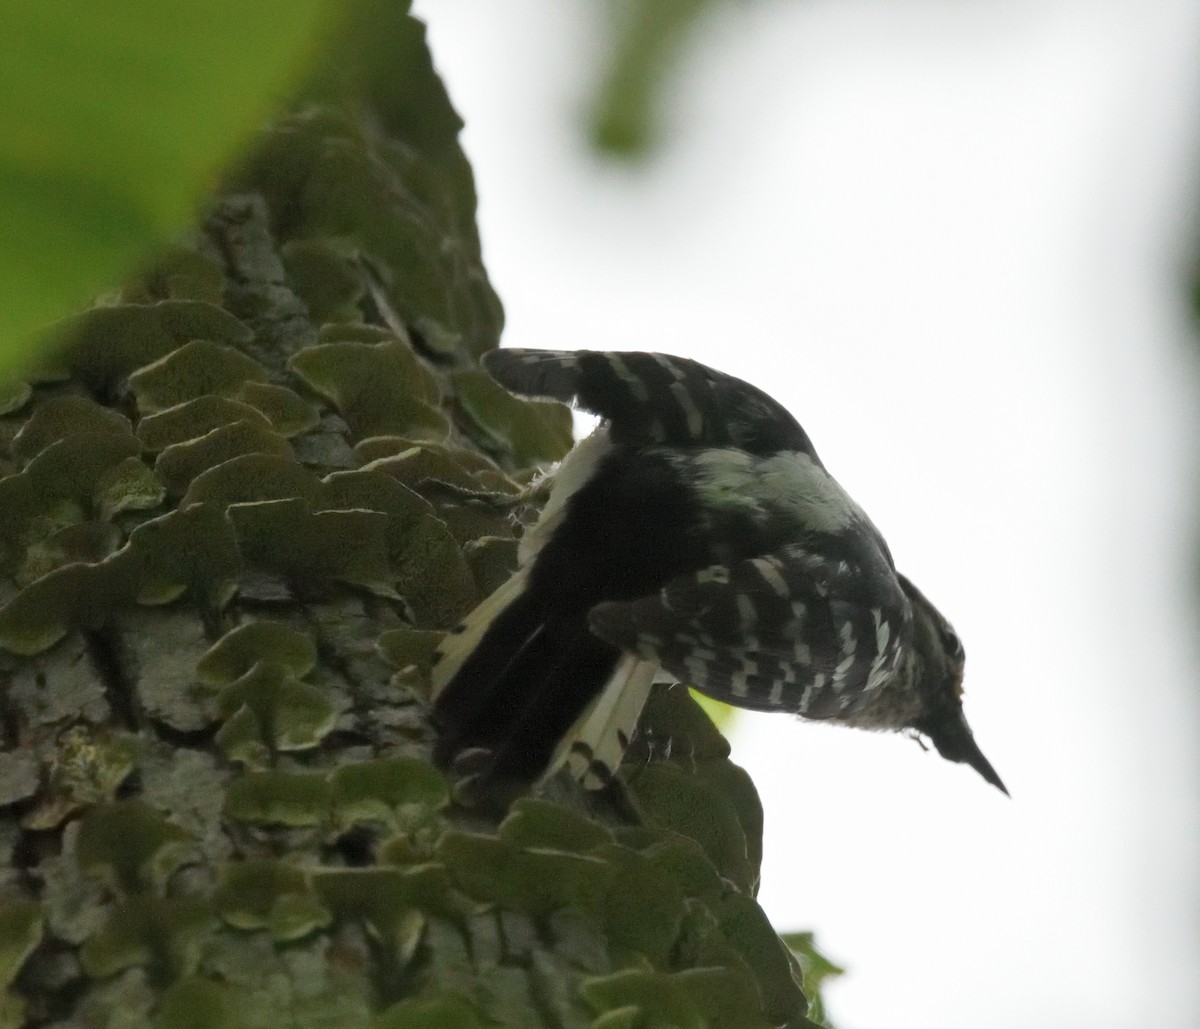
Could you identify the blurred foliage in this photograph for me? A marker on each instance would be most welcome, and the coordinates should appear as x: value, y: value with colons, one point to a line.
x: 816, y: 969
x: 647, y: 39
x: 722, y: 715
x: 115, y: 122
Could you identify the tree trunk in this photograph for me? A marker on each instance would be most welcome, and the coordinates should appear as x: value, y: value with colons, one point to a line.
x: 238, y: 511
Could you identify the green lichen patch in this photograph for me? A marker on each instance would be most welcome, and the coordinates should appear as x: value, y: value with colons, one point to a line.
x: 194, y: 418
x: 163, y: 935
x: 536, y: 881
x: 83, y: 542
x: 472, y: 514
x: 677, y: 801
x: 296, y: 799
x: 538, y: 823
x: 288, y: 538
x: 14, y: 395
x: 179, y: 464
x: 251, y: 478
x: 425, y: 462
x: 197, y: 368
x: 402, y: 793
x: 374, y: 447
x: 288, y: 412
x: 21, y: 927
x: 484, y: 473
x: 21, y: 523
x: 240, y: 649
x: 380, y: 389
x: 128, y: 486
x: 393, y: 902
x: 107, y: 343
x: 272, y: 895
x: 699, y: 792
x: 178, y: 272
x: 192, y: 549
x: 522, y: 431
x: 493, y: 559
x: 88, y: 768
x: 411, y: 204
x: 325, y: 278
x: 732, y: 782
x: 376, y: 491
x: 700, y: 998
x: 243, y: 739
x: 775, y: 969
x: 437, y: 339
x: 86, y: 475
x: 642, y: 907
x: 443, y: 1011
x: 130, y: 846
x: 684, y: 861
x: 354, y: 332
x: 701, y: 944
x: 73, y: 596
x: 287, y: 714
x: 409, y: 648
x: 194, y: 1002
x: 434, y: 578
x: 359, y: 522
x: 65, y: 476
x: 62, y: 416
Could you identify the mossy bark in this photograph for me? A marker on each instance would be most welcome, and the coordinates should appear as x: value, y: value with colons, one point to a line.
x: 239, y: 505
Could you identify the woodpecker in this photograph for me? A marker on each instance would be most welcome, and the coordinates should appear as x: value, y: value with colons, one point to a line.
x: 694, y: 537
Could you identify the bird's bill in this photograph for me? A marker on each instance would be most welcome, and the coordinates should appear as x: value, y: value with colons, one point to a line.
x: 955, y: 742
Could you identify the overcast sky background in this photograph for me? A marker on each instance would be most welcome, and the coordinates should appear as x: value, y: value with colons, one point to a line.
x: 952, y: 237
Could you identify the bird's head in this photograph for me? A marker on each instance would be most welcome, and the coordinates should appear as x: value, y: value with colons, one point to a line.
x: 938, y: 673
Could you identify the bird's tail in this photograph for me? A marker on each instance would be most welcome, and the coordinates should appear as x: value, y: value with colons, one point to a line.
x: 462, y: 641
x: 537, y: 690
x: 592, y: 748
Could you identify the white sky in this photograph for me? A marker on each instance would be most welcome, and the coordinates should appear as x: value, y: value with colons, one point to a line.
x: 951, y: 237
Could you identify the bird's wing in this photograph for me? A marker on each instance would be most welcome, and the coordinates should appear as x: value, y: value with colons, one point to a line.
x: 792, y: 630
x: 654, y: 398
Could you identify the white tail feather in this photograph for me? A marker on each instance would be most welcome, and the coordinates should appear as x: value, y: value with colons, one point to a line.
x: 592, y: 748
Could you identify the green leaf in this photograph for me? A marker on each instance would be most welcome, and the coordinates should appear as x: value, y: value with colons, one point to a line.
x: 114, y: 125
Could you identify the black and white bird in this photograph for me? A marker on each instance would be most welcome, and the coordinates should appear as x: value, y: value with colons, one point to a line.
x: 695, y: 537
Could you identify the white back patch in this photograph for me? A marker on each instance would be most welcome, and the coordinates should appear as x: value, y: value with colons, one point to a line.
x: 576, y: 469
x: 790, y: 481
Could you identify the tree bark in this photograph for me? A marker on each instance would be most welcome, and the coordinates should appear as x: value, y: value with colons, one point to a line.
x: 239, y: 509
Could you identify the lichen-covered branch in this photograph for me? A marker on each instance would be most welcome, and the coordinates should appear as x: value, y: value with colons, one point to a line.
x: 239, y: 507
